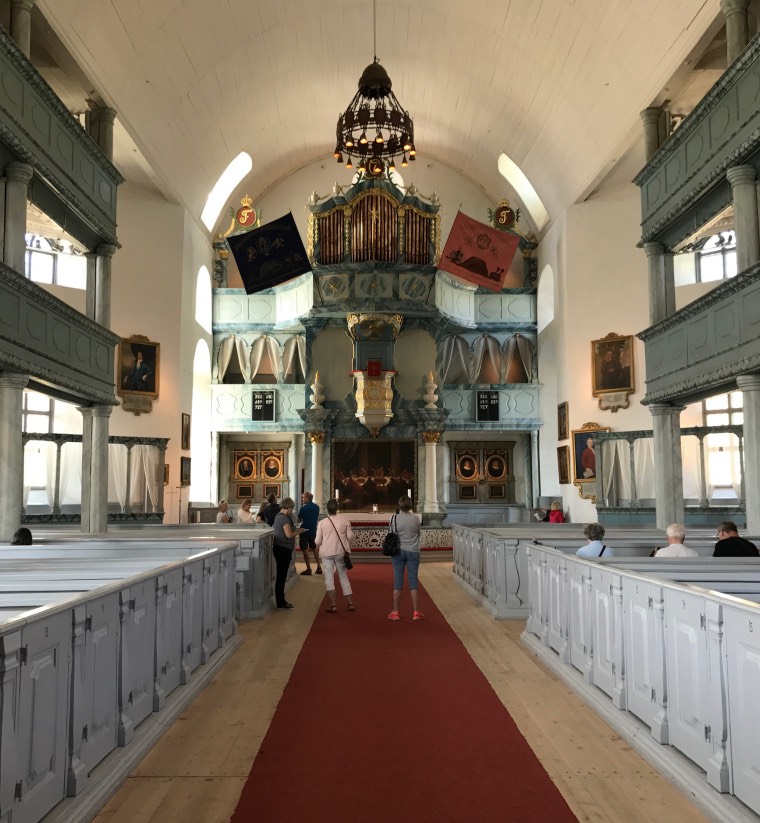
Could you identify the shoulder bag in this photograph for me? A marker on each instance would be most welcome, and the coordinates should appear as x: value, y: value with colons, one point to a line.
x: 346, y: 555
x: 392, y: 542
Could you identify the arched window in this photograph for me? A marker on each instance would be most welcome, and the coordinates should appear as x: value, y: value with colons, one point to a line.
x: 455, y: 360
x: 545, y: 298
x: 203, y: 300
x: 486, y: 360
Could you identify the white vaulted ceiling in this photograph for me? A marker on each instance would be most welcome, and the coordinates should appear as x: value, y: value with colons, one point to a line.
x: 556, y: 84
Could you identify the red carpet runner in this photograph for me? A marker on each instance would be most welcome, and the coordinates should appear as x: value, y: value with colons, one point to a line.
x: 393, y: 723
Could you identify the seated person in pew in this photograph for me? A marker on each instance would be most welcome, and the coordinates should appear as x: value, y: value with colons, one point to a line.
x: 556, y: 515
x: 594, y: 532
x: 22, y: 537
x: 730, y: 544
x: 675, y: 548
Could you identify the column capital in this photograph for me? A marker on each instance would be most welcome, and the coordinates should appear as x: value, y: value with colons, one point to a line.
x: 23, y: 5
x: 96, y: 410
x: 748, y: 382
x: 737, y: 175
x: 733, y: 6
x: 12, y: 380
x: 664, y: 409
x: 104, y: 113
x: 106, y: 250
x: 652, y: 249
x: 651, y: 115
x: 431, y: 438
x: 18, y: 171
x: 316, y: 438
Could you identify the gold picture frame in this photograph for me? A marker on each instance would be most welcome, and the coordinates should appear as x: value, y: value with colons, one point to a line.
x: 612, y: 372
x: 562, y: 421
x: 563, y: 465
x: 138, y: 367
x: 245, y: 466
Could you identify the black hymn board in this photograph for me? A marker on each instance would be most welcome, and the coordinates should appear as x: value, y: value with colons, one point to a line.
x: 487, y: 409
x: 263, y: 406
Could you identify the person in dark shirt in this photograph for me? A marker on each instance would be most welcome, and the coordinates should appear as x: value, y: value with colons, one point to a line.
x: 272, y: 509
x: 308, y: 514
x: 731, y: 545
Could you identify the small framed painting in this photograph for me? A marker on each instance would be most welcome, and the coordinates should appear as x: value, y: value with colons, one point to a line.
x: 185, y: 432
x: 184, y: 471
x: 562, y: 417
x: 244, y: 491
x: 496, y: 492
x: 584, y: 456
x: 467, y: 492
x: 563, y: 465
x: 271, y: 488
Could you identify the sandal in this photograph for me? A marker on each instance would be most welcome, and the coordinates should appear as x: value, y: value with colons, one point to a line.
x: 351, y: 607
x: 331, y: 610
x: 394, y: 616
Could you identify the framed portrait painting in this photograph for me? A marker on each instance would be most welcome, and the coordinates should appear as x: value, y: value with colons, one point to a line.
x: 612, y: 371
x: 563, y: 464
x: 138, y: 367
x: 562, y: 418
x: 184, y: 471
x: 584, y: 454
x: 245, y: 466
x: 185, y: 432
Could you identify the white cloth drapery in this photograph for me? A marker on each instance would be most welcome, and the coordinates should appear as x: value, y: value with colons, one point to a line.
x: 485, y: 347
x: 518, y: 345
x: 225, y: 355
x: 294, y: 347
x: 269, y: 345
x: 455, y: 359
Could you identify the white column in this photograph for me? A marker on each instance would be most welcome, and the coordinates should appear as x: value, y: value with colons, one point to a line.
x: 11, y: 452
x: 21, y: 24
x: 668, y: 469
x: 317, y: 440
x: 744, y: 194
x: 17, y: 177
x: 737, y: 30
x: 431, y: 440
x: 534, y: 467
x: 95, y: 468
x: 662, y: 292
x: 749, y: 384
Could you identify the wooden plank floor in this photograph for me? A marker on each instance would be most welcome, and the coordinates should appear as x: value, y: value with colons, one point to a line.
x: 197, y: 771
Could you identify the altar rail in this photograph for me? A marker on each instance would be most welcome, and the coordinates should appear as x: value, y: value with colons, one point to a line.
x: 672, y: 642
x: 492, y: 563
x: 95, y: 637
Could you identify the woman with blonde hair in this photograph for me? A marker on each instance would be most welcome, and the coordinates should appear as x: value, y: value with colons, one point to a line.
x: 244, y: 515
x: 333, y: 539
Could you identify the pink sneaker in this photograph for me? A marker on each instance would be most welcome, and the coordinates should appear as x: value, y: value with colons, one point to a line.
x: 418, y: 616
x: 394, y: 616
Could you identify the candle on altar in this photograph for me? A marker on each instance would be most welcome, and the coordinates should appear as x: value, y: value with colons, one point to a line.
x: 408, y: 492
x: 337, y: 494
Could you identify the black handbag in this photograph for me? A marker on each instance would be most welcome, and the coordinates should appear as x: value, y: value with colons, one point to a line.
x: 392, y: 542
x: 347, y: 561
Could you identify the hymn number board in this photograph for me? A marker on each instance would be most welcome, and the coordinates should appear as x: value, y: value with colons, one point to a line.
x: 262, y: 406
x: 487, y: 408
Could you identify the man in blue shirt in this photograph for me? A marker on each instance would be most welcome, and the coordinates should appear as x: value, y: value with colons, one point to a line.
x: 308, y: 515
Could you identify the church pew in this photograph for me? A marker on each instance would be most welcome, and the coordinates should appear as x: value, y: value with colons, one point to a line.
x: 113, y: 678
x: 658, y: 647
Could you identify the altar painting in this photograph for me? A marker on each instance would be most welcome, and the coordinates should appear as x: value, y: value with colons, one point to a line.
x: 369, y: 472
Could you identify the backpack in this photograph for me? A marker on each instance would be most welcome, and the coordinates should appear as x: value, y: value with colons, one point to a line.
x: 392, y: 542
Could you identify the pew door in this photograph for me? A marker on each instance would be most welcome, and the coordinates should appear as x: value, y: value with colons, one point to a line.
x: 687, y: 674
x: 742, y: 632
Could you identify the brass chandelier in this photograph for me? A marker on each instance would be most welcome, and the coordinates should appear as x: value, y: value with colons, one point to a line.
x: 375, y: 127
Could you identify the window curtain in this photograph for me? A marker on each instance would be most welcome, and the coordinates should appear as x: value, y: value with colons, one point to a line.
x: 643, y: 459
x: 117, y: 460
x: 225, y: 355
x: 260, y: 345
x: 692, y: 486
x: 519, y: 345
x: 71, y: 474
x: 616, y: 465
x: 455, y: 354
x: 294, y: 347
x: 150, y: 468
x: 241, y: 349
x: 485, y: 347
